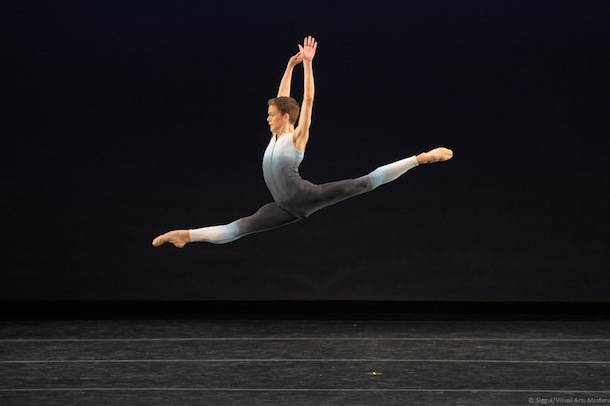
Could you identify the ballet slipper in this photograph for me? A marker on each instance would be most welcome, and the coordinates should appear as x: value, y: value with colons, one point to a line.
x: 442, y: 154
x: 177, y: 237
x: 439, y: 154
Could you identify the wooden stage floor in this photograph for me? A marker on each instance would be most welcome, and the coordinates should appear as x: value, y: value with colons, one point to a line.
x: 288, y: 360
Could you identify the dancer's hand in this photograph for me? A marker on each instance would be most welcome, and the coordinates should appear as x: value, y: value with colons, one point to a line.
x: 308, y: 49
x: 295, y: 60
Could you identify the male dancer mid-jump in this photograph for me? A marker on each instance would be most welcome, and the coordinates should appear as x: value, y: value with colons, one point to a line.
x: 294, y: 197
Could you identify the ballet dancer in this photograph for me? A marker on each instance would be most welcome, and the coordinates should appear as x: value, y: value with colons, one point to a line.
x: 294, y: 197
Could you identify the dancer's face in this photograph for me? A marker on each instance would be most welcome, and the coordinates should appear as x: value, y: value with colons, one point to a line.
x: 276, y: 120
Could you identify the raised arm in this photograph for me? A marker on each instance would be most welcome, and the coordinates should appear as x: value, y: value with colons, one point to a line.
x: 287, y: 78
x: 301, y: 133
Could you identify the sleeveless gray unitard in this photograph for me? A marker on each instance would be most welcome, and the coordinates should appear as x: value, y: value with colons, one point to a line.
x: 294, y: 197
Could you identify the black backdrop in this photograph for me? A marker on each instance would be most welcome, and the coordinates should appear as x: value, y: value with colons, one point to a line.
x: 124, y: 119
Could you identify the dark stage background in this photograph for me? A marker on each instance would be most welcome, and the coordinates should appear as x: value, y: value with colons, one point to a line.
x: 125, y: 119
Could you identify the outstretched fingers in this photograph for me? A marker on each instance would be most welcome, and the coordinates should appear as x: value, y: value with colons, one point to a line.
x: 308, y: 49
x: 310, y: 42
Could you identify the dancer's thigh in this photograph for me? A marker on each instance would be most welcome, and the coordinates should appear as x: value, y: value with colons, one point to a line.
x: 267, y: 217
x: 330, y: 193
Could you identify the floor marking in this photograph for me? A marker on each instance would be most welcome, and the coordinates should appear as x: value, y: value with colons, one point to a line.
x: 42, y: 340
x: 312, y: 360
x: 173, y: 389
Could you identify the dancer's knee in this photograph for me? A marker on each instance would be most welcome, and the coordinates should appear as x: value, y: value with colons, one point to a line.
x: 367, y: 183
x: 352, y: 187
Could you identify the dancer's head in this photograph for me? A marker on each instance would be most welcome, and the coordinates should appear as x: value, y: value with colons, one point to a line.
x: 286, y: 105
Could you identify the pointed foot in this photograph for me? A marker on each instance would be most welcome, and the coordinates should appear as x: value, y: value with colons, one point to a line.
x: 177, y: 237
x: 439, y: 154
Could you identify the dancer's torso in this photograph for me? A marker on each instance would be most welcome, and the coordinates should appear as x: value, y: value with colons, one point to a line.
x: 281, y: 172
